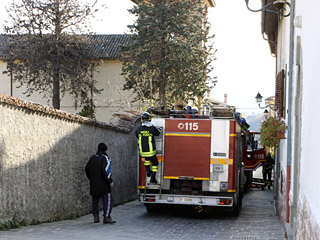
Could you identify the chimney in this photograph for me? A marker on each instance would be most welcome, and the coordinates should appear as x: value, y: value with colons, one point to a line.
x: 208, y: 93
x: 225, y: 98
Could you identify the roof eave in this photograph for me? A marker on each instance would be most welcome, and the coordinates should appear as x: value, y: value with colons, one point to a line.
x: 270, y: 25
x: 211, y: 2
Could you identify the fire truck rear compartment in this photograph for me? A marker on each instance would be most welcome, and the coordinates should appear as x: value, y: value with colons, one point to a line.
x: 185, y: 187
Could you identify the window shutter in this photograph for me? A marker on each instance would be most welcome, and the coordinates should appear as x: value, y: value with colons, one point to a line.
x: 280, y: 94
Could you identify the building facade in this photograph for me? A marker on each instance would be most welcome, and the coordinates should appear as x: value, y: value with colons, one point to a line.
x: 112, y: 99
x: 106, y: 49
x: 293, y: 36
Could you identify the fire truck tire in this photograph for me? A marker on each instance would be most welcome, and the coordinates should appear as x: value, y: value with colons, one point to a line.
x: 236, y: 208
x: 240, y: 200
x: 248, y: 175
x: 152, y: 208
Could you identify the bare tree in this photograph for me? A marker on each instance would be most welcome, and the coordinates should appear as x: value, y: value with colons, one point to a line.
x: 46, y: 51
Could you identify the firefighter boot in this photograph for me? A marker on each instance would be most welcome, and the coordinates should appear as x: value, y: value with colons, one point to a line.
x: 96, y: 218
x: 148, y: 171
x: 153, y: 178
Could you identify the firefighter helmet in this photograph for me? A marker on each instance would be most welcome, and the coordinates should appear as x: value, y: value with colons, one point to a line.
x: 145, y: 117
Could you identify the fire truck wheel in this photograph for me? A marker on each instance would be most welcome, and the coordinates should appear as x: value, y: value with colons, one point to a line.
x: 236, y: 208
x: 151, y: 208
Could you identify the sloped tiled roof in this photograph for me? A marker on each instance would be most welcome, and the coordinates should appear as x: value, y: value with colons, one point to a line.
x: 107, y: 46
x: 3, y: 41
x: 104, y: 46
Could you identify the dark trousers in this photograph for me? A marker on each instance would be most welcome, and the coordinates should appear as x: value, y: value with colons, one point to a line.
x: 107, y: 202
x: 267, y: 176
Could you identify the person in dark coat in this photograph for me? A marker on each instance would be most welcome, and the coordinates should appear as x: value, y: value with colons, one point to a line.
x: 98, y: 171
x: 267, y: 170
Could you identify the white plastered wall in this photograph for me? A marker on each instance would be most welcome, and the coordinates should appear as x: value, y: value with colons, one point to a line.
x: 112, y: 99
x: 308, y: 11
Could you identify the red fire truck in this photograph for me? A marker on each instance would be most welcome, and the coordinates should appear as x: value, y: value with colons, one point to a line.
x: 201, y: 162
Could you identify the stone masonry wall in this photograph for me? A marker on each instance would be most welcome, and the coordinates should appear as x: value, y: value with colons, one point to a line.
x: 306, y: 227
x: 43, y: 153
x: 282, y: 198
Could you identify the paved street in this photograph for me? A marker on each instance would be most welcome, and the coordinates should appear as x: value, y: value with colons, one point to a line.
x: 256, y: 221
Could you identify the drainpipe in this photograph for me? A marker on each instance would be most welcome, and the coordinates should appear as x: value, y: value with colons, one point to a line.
x: 290, y: 110
x: 11, y: 82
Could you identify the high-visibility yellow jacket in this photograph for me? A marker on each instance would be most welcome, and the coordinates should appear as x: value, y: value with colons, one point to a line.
x: 147, y: 144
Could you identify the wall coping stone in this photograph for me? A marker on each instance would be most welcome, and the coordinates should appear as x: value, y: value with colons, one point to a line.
x: 36, y: 107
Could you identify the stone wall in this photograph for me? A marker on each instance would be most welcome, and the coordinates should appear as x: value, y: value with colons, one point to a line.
x: 306, y: 227
x: 43, y: 153
x: 282, y: 197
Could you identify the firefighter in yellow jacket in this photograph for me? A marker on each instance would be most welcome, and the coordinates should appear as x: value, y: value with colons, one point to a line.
x: 147, y: 146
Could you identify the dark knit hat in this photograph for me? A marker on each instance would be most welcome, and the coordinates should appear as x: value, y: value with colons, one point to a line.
x: 102, y: 147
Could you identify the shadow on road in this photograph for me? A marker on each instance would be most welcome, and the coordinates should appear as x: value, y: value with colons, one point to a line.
x: 187, y: 211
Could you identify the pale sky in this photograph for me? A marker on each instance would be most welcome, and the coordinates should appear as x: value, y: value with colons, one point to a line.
x: 244, y: 64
